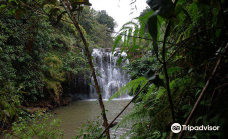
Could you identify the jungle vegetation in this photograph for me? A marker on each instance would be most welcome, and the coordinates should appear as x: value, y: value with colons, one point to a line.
x: 177, y: 52
x: 183, y: 79
x: 41, y: 55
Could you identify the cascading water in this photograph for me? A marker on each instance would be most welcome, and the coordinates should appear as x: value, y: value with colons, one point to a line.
x: 109, y: 75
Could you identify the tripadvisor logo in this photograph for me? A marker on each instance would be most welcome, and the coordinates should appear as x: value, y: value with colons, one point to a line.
x: 176, y: 128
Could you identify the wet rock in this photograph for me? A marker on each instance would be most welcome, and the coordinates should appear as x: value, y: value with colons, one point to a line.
x: 46, y: 109
x: 57, y: 113
x: 32, y: 110
x: 65, y: 102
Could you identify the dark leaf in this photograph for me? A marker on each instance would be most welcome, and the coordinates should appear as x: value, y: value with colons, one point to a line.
x: 53, y: 11
x: 164, y: 8
x: 149, y: 74
x: 60, y: 17
x: 85, y: 2
x: 152, y: 28
x: 154, y: 78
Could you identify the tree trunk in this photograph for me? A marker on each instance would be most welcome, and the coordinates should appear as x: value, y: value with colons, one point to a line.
x: 88, y: 54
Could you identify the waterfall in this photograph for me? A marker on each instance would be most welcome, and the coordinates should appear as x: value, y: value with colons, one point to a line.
x: 109, y: 75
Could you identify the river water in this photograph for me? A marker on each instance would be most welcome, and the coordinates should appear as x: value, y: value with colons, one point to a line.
x: 79, y: 112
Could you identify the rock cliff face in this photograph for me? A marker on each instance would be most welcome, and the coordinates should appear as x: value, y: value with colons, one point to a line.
x: 77, y: 89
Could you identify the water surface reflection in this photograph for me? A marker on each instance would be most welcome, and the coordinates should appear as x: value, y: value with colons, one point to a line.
x: 79, y: 112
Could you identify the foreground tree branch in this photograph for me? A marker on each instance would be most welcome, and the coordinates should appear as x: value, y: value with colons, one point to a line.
x: 88, y: 54
x: 165, y: 68
x: 166, y: 73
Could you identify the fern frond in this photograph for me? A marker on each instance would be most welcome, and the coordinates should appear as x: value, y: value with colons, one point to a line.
x: 118, y: 38
x: 149, y: 92
x: 131, y: 86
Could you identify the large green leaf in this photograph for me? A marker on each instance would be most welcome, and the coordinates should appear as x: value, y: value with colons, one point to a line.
x: 129, y: 34
x: 152, y: 28
x: 134, y: 39
x: 163, y: 8
x: 118, y: 38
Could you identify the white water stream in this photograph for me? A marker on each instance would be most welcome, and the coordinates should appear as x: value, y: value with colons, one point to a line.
x: 110, y: 76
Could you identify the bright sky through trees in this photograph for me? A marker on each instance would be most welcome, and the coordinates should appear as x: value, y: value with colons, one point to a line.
x: 121, y: 10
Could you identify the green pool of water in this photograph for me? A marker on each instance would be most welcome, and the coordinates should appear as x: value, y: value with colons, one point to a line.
x: 79, y: 112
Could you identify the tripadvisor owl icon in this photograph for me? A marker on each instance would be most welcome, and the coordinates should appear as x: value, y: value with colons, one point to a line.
x: 176, y: 128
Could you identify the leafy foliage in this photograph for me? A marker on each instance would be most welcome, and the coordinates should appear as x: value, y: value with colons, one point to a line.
x: 41, y: 51
x: 54, y: 76
x: 89, y: 130
x: 197, y: 27
x: 36, y: 128
x: 10, y: 100
x: 99, y: 25
x: 104, y: 19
